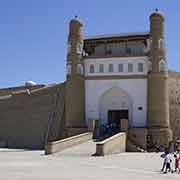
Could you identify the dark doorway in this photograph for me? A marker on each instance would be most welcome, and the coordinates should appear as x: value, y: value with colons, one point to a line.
x: 114, y: 116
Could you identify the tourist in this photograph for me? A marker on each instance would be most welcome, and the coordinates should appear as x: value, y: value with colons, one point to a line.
x: 177, y: 160
x: 168, y: 161
x: 164, y: 162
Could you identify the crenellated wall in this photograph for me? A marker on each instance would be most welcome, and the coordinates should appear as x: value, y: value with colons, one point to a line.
x: 30, y: 118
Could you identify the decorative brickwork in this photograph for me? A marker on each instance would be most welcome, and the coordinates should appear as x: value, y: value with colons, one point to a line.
x: 158, y: 98
x: 174, y: 102
x: 75, y: 89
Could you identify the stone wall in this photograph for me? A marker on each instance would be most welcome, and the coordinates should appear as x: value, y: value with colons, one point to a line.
x: 138, y: 136
x: 28, y: 119
x: 174, y: 100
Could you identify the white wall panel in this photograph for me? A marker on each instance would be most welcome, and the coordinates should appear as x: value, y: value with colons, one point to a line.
x: 135, y: 88
x: 115, y: 62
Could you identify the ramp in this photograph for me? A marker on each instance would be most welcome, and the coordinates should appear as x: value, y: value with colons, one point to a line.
x: 82, y: 150
x: 60, y: 145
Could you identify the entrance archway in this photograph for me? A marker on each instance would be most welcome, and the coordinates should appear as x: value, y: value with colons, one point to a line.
x: 115, y: 103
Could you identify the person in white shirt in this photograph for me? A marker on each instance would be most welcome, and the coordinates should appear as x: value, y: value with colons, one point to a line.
x: 168, y: 161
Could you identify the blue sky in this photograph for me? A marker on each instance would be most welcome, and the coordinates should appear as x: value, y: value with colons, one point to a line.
x: 33, y: 33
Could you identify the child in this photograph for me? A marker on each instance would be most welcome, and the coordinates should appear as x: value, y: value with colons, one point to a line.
x: 167, y: 161
x: 166, y: 152
x: 177, y: 159
x: 164, y: 165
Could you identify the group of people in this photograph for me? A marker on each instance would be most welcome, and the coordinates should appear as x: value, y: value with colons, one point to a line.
x: 171, y: 162
x: 105, y: 130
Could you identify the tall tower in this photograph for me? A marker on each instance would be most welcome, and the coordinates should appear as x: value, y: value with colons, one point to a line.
x: 75, y: 87
x: 158, y: 99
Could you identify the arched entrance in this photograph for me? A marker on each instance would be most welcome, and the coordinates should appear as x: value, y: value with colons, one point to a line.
x: 115, y: 104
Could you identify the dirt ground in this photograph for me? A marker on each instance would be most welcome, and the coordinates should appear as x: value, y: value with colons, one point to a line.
x: 77, y: 163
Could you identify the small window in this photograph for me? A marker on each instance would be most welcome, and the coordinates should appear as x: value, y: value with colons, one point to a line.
x: 161, y: 43
x: 111, y: 68
x: 120, y: 67
x: 140, y: 67
x: 130, y: 67
x: 68, y: 70
x: 80, y: 69
x: 162, y: 65
x: 91, y: 69
x: 101, y: 68
x: 79, y: 48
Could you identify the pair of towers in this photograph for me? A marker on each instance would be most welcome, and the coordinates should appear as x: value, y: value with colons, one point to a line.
x: 158, y: 99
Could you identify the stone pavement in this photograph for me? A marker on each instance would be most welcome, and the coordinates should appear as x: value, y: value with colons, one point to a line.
x: 77, y: 164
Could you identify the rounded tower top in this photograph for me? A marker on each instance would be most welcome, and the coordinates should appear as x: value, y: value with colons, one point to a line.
x: 76, y: 21
x: 76, y: 29
x: 157, y: 13
x: 157, y: 25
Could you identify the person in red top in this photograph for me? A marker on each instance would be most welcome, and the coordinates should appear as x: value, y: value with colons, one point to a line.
x: 177, y: 160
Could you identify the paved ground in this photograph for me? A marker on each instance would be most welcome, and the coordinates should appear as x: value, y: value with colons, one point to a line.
x: 78, y: 164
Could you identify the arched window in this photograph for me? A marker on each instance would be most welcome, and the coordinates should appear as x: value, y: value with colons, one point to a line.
x: 161, y: 43
x: 162, y: 65
x: 79, y: 48
x: 80, y: 69
x: 91, y: 69
x: 148, y: 45
x: 68, y: 69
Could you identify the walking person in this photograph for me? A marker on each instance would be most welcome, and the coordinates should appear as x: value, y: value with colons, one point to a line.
x: 168, y: 161
x: 177, y: 160
x: 164, y: 161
